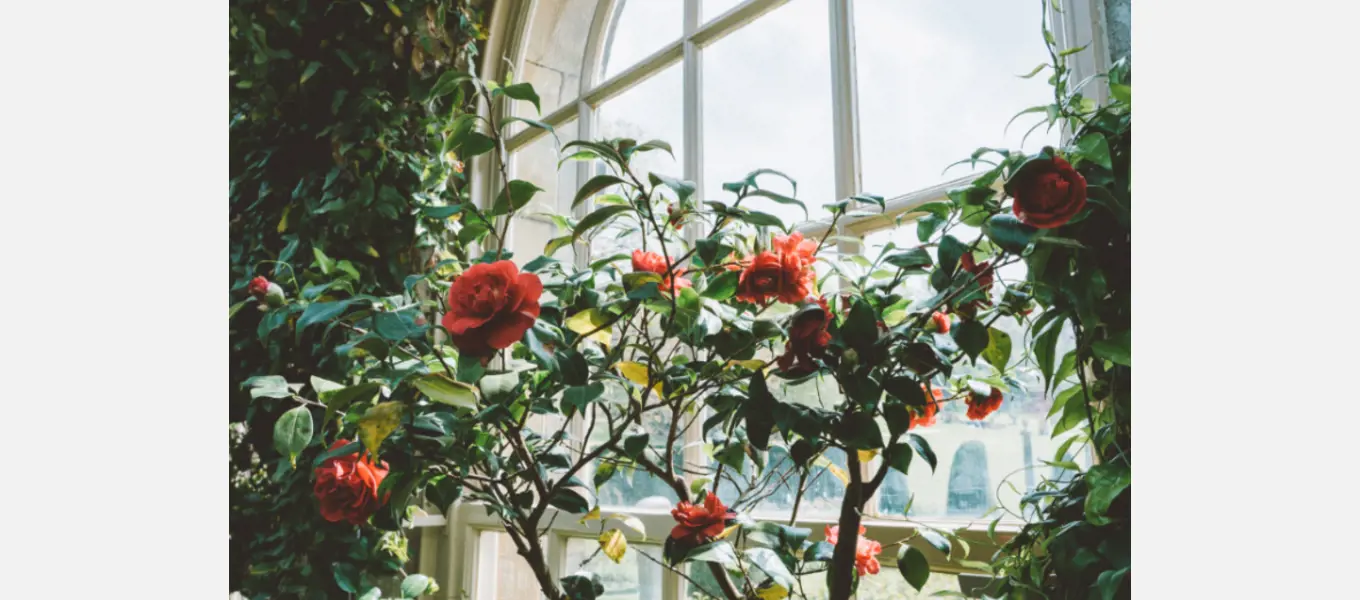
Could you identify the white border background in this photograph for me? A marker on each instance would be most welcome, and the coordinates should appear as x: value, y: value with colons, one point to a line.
x: 113, y: 168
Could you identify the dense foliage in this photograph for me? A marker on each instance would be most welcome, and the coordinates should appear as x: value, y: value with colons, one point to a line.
x: 338, y: 187
x: 1075, y: 543
x: 528, y: 385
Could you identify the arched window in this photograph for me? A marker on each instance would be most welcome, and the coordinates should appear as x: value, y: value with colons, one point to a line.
x: 844, y: 96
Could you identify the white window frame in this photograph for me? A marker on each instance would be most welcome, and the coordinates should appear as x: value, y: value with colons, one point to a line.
x: 458, y: 559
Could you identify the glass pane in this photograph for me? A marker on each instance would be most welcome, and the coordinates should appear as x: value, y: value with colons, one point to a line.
x: 635, y: 487
x: 937, y: 80
x: 556, y: 48
x: 651, y: 110
x: 715, y: 8
x: 977, y: 459
x: 537, y: 164
x: 638, y: 29
x: 632, y: 578
x: 501, y: 573
x: 767, y: 103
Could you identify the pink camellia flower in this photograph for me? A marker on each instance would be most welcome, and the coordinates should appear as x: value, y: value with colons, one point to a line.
x: 651, y: 262
x: 866, y: 550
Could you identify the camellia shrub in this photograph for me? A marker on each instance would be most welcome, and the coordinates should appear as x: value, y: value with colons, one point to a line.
x: 725, y: 335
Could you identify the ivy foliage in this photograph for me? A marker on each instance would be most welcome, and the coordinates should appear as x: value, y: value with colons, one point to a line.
x: 340, y: 183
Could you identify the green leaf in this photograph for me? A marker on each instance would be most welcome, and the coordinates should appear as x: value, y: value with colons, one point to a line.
x: 922, y: 448
x: 719, y: 552
x: 927, y: 226
x: 1115, y: 348
x: 521, y: 192
x: 1007, y: 231
x: 761, y: 219
x: 476, y: 144
x: 683, y: 189
x: 1095, y: 148
x: 459, y: 130
x: 317, y: 312
x: 860, y: 329
x: 447, y: 84
x: 346, y: 576
x: 915, y: 258
x: 936, y: 540
x: 1045, y: 347
x: 998, y: 350
x: 374, y: 593
x: 594, y: 186
x: 769, y: 562
x: 819, y: 551
x: 523, y: 91
x: 292, y: 432
x: 309, y: 71
x: 950, y: 251
x: 598, y: 218
x: 1104, y: 483
x: 780, y: 198
x: 267, y: 386
x: 1108, y: 583
x: 571, y: 499
x: 414, y: 585
x: 339, y: 400
x: 899, y: 457
x: 443, y: 390
x: 913, y: 565
x: 972, y: 337
x: 1034, y: 71
x: 723, y: 286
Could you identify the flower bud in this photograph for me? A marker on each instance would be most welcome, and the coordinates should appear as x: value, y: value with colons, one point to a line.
x: 274, y: 295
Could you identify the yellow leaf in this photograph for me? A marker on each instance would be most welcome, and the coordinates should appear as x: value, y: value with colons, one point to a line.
x: 591, y: 516
x: 632, y: 522
x: 726, y: 532
x: 393, y: 7
x: 753, y: 365
x: 634, y: 372
x: 587, y: 321
x: 835, y: 469
x: 772, y: 591
x: 867, y: 455
x: 637, y: 373
x: 378, y: 423
x: 283, y: 221
x: 613, y: 544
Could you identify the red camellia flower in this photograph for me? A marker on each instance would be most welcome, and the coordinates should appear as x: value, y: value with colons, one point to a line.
x: 927, y: 416
x: 491, y: 306
x: 866, y: 550
x: 808, y: 338
x: 651, y: 262
x: 980, y: 406
x: 1048, y: 193
x: 697, y: 524
x: 347, y: 486
x: 784, y: 272
x: 984, y: 274
x: 673, y: 218
x: 941, y: 322
x: 258, y: 287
